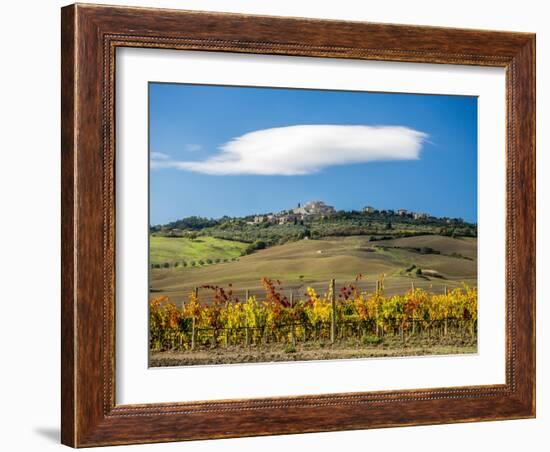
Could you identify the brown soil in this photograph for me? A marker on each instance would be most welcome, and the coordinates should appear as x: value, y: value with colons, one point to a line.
x: 312, y: 351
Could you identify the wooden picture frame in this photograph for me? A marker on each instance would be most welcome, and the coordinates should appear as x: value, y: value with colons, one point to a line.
x: 90, y: 36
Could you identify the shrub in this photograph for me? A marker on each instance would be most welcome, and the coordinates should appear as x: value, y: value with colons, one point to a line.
x: 257, y: 245
x: 369, y: 339
x: 428, y: 250
x: 260, y: 244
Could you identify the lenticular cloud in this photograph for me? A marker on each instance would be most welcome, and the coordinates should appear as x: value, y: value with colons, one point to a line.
x: 305, y: 149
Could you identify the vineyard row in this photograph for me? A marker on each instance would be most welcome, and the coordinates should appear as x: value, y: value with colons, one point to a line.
x: 348, y: 314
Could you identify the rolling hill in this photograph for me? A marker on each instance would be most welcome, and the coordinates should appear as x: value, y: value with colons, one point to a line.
x: 314, y: 262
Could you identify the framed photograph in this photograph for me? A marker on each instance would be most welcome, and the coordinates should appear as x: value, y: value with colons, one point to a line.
x: 242, y: 276
x: 282, y: 225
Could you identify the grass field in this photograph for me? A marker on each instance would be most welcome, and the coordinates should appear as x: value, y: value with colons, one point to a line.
x: 179, y: 249
x: 314, y: 262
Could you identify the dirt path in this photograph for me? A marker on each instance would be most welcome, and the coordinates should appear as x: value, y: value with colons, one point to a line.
x: 278, y: 353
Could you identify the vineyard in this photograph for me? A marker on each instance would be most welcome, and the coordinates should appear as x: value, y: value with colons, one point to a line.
x: 335, y: 317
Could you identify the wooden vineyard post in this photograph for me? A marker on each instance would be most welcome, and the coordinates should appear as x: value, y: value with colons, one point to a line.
x: 193, y: 331
x: 333, y: 311
x: 246, y: 332
x: 402, y: 334
x: 445, y: 332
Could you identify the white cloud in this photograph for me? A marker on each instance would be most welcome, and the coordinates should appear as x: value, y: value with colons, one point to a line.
x: 158, y: 159
x: 192, y: 147
x: 159, y: 156
x: 305, y: 149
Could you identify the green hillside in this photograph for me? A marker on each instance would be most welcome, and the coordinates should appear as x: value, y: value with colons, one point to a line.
x: 179, y: 249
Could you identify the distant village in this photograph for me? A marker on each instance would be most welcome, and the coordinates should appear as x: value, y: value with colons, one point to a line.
x: 308, y: 212
x: 318, y: 209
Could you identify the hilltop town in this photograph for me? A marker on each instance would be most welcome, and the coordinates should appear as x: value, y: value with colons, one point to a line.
x: 319, y: 209
x: 310, y: 210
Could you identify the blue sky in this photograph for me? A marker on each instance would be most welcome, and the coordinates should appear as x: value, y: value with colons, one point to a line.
x: 237, y: 151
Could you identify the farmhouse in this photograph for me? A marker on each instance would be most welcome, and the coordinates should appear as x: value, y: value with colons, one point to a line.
x: 420, y: 215
x: 269, y: 218
x: 401, y: 212
x: 286, y: 218
x: 368, y: 209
